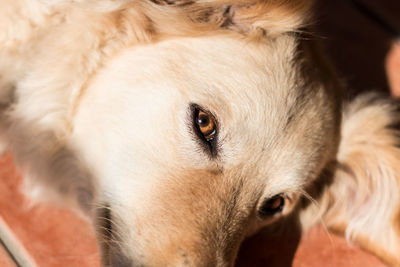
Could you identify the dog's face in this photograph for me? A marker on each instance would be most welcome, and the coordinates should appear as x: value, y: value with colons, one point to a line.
x: 200, y: 121
x: 183, y: 126
x: 198, y: 142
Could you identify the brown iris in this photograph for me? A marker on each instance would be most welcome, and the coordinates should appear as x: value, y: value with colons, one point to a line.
x: 206, y: 124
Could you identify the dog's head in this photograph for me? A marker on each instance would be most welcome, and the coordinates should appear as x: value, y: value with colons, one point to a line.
x: 206, y: 132
x: 198, y: 141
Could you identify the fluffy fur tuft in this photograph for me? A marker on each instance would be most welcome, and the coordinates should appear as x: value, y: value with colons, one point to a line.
x: 361, y: 200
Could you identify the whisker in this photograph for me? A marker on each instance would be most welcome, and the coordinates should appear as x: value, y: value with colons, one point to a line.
x: 315, y: 203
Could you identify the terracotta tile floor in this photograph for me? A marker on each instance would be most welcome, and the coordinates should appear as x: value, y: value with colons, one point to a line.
x: 366, y: 56
x: 5, y: 260
x: 52, y: 236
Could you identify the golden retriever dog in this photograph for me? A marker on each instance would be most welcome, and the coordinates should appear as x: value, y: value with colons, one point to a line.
x: 181, y: 127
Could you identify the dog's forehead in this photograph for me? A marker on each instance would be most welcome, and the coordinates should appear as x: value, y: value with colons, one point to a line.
x: 249, y: 87
x: 235, y: 79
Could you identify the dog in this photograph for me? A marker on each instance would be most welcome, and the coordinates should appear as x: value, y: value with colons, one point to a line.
x: 181, y: 127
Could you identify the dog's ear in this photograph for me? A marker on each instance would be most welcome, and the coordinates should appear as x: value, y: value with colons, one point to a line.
x: 363, y: 199
x: 267, y: 17
x: 53, y: 169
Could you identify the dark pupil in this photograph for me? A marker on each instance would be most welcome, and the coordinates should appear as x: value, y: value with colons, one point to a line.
x: 203, y: 120
x: 272, y: 206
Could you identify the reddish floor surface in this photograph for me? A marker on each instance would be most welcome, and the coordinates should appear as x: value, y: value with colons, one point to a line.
x: 53, y: 236
x: 319, y: 248
x: 5, y: 260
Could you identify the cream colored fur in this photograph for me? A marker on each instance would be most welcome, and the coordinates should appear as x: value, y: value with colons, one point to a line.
x: 96, y: 101
x: 360, y: 202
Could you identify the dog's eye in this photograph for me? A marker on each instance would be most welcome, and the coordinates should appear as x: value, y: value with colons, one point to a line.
x: 206, y: 124
x: 205, y: 127
x: 271, y: 206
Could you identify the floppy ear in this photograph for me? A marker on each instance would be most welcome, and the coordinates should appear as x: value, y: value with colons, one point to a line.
x: 363, y: 200
x: 52, y: 169
x: 267, y: 17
